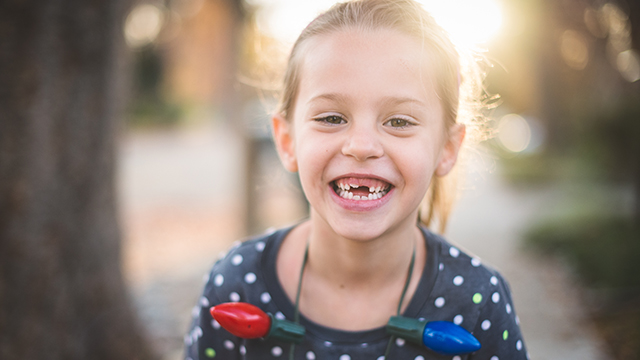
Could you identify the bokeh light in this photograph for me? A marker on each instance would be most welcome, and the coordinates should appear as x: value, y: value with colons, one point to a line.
x: 628, y: 63
x: 143, y: 25
x: 574, y: 49
x: 514, y: 133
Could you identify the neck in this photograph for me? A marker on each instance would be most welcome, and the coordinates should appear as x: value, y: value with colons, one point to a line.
x: 361, y: 263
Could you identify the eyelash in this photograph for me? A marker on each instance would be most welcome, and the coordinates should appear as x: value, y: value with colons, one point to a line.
x: 339, y: 120
x: 406, y: 122
x: 330, y: 118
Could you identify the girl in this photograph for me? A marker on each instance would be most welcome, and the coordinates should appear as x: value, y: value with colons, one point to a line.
x: 370, y: 118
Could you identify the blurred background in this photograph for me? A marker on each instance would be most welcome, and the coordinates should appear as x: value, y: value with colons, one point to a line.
x: 551, y: 199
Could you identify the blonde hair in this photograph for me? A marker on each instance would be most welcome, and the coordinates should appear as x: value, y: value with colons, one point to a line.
x: 459, y: 95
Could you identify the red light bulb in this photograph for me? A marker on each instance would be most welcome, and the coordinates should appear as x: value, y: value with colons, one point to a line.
x: 242, y: 319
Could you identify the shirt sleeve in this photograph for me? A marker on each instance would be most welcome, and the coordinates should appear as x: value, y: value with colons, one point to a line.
x: 206, y: 339
x: 498, y: 327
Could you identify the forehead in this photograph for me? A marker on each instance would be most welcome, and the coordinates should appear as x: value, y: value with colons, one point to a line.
x: 367, y: 63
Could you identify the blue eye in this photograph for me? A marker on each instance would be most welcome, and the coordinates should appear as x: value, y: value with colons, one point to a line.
x: 332, y: 119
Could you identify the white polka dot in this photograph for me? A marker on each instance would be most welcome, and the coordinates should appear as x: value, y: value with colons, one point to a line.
x: 495, y: 297
x: 517, y: 320
x: 475, y: 262
x: 215, y: 324
x: 419, y: 357
x: 250, y: 278
x: 236, y: 259
x: 364, y: 345
x: 456, y: 358
x: 187, y: 340
x: 205, y: 278
x: 528, y: 357
x: 458, y: 319
x: 439, y: 302
x: 508, y: 307
x: 229, y: 345
x: 519, y: 345
x: 243, y: 350
x: 421, y: 319
x: 458, y: 280
x: 311, y: 355
x: 486, y: 325
x: 276, y: 351
x: 441, y: 267
x: 454, y: 252
x: 196, y: 333
x: 380, y: 358
x: 328, y: 343
x: 236, y: 244
x: 494, y: 358
x: 265, y: 297
x: 195, y: 312
x: 260, y: 246
x: 218, y: 280
x: 400, y: 342
x: 204, y: 301
x: 280, y: 316
x: 494, y: 280
x: 234, y: 297
x: 345, y: 357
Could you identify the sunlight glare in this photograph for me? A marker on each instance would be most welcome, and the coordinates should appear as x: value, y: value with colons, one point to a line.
x: 469, y: 22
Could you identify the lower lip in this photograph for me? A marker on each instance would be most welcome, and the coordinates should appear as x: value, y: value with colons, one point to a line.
x: 360, y: 205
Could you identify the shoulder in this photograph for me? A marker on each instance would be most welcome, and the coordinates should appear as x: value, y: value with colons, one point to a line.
x: 477, y: 297
x: 463, y: 284
x: 244, y: 272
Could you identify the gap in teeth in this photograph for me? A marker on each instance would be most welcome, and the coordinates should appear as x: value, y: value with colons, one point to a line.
x: 372, y: 196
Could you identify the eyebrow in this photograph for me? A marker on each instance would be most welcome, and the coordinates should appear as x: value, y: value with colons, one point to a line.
x: 387, y: 100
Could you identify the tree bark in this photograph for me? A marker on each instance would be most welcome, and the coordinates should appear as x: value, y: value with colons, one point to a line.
x: 62, y: 294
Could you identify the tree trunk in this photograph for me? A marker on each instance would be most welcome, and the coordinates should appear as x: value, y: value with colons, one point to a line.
x: 62, y: 295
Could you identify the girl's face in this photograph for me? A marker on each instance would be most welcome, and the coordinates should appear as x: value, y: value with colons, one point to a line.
x: 367, y: 132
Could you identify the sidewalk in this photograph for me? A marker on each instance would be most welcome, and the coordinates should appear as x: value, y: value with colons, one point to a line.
x: 177, y: 207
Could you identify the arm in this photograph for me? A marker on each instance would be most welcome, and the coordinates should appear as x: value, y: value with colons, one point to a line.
x: 497, y: 329
x: 206, y: 339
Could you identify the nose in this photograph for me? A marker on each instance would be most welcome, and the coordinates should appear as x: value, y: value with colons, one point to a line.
x: 362, y: 143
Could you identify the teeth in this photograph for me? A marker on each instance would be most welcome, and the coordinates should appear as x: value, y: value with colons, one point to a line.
x: 345, y: 194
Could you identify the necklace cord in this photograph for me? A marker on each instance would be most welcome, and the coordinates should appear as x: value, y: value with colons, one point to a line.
x: 296, y: 315
x: 296, y: 308
x: 404, y: 292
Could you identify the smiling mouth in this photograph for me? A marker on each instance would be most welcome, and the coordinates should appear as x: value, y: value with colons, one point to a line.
x: 361, y: 189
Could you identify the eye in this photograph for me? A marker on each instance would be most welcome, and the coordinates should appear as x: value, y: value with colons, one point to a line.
x: 331, y: 119
x: 398, y: 123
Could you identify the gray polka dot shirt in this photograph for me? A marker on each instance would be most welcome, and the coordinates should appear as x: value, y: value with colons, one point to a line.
x: 453, y: 287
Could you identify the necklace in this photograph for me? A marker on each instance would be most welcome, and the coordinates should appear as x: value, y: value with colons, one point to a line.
x: 296, y: 316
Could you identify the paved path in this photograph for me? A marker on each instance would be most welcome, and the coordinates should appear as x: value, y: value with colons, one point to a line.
x: 177, y: 196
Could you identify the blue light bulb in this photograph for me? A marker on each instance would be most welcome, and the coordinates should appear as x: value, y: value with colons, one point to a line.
x: 443, y: 337
x: 448, y: 338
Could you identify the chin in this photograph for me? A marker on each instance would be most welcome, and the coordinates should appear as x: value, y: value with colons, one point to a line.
x: 362, y: 231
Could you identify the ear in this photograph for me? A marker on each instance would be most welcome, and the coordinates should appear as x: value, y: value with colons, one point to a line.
x: 283, y: 138
x: 451, y: 149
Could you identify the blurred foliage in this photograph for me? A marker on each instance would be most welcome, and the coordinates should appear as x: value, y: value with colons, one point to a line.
x: 604, y: 146
x: 148, y: 106
x: 603, y: 249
